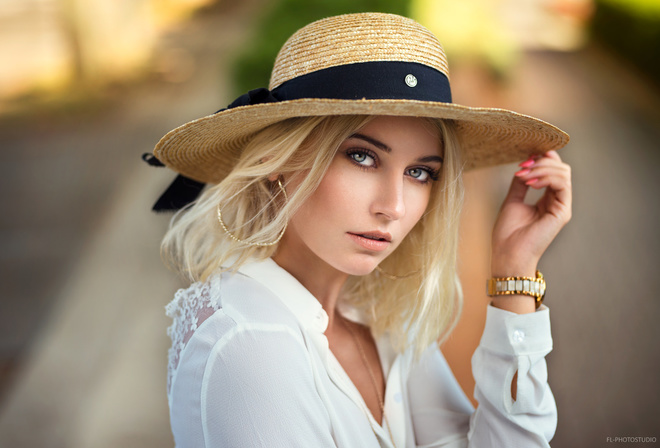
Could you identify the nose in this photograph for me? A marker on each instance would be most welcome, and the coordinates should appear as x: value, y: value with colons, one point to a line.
x: 388, y: 200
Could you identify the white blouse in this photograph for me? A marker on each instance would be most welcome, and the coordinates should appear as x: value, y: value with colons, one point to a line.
x: 250, y: 367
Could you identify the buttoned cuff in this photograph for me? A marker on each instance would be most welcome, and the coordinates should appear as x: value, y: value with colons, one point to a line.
x: 517, y: 334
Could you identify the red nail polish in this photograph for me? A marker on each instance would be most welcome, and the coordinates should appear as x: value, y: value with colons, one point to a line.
x: 531, y: 181
x: 527, y: 163
x: 522, y: 172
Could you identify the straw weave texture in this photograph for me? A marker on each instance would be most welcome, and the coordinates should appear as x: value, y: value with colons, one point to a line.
x: 355, y: 38
x: 206, y: 149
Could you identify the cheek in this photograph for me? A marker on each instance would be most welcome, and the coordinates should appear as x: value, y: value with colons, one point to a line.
x: 340, y: 191
x: 329, y: 203
x: 416, y: 205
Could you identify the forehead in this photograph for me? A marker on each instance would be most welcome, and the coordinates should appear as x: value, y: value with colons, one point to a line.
x: 413, y: 134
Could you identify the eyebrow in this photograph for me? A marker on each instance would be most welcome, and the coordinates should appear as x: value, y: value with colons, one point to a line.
x: 373, y: 141
x: 380, y: 145
x: 431, y: 159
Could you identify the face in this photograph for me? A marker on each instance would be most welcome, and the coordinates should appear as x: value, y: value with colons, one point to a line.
x: 375, y: 190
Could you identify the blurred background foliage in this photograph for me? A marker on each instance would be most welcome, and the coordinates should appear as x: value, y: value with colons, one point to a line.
x: 631, y: 28
x: 76, y: 52
x: 284, y: 17
x: 493, y: 34
x: 61, y: 55
x: 489, y: 32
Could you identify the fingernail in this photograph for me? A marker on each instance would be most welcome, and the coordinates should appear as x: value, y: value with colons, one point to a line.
x: 527, y: 163
x: 522, y: 172
x: 531, y: 181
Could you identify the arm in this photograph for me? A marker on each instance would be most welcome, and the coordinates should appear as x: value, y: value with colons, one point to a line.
x: 512, y: 351
x: 516, y: 406
x: 444, y: 417
x: 523, y: 232
x: 509, y: 365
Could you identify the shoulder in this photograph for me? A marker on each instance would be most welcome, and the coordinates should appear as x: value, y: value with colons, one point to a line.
x: 247, y: 300
x: 245, y: 363
x: 249, y: 326
x: 227, y: 315
x: 238, y: 297
x: 249, y: 317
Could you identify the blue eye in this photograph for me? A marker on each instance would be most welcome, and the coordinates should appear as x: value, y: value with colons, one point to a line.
x: 419, y: 174
x: 362, y: 158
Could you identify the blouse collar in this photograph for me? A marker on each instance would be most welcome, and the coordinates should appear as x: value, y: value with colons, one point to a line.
x: 290, y: 291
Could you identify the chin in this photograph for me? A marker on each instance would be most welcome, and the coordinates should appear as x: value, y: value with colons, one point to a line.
x: 359, y: 267
x: 360, y: 273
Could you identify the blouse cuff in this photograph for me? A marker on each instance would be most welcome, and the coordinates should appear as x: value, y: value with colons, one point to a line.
x: 517, y: 334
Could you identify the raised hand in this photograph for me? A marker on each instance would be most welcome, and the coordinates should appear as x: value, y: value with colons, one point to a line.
x: 523, y: 232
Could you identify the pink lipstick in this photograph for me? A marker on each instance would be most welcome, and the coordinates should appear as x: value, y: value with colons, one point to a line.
x: 374, y: 241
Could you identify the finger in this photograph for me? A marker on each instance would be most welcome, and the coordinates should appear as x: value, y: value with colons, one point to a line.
x: 545, y: 170
x: 533, y: 168
x: 551, y: 155
x: 556, y: 183
x: 538, y: 177
x: 560, y: 186
x: 517, y: 190
x: 537, y: 157
x: 543, y: 161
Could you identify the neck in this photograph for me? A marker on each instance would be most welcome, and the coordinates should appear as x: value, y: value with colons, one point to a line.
x: 322, y: 280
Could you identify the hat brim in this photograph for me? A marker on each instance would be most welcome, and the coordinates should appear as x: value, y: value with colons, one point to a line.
x: 207, y: 149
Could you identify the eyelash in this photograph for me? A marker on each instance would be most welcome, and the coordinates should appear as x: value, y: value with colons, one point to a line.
x: 365, y: 152
x: 433, y: 174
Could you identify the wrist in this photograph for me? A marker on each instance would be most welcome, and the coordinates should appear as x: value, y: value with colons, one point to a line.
x: 518, y: 304
x: 513, y: 270
x: 512, y: 267
x: 514, y: 292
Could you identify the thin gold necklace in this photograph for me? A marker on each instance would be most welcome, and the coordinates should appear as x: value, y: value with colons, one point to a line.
x: 381, y: 402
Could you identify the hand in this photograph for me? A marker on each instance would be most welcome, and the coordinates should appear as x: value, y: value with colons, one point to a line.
x: 523, y: 232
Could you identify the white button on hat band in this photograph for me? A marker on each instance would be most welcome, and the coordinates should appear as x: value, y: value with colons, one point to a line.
x: 411, y: 81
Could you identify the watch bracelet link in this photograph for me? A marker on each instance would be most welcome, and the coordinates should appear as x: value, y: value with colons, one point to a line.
x: 528, y: 286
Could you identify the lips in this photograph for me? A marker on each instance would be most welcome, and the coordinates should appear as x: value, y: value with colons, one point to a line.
x: 376, y: 236
x: 373, y: 241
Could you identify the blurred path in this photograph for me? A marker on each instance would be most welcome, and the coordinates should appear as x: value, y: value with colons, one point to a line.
x: 95, y: 375
x: 604, y: 297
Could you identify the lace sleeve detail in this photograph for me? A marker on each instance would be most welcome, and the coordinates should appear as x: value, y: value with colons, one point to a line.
x: 189, y: 309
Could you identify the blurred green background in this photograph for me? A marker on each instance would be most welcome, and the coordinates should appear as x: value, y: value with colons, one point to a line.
x: 77, y: 53
x: 281, y: 19
x: 631, y: 28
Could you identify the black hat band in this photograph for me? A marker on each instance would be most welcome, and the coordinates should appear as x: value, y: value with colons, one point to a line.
x: 365, y: 80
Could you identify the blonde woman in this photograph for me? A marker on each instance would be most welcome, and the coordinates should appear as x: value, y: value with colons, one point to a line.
x: 322, y: 254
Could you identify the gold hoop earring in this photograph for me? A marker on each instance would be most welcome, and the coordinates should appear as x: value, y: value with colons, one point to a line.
x: 395, y: 277
x: 238, y: 240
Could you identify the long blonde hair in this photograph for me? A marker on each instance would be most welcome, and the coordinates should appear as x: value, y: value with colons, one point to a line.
x: 415, y: 309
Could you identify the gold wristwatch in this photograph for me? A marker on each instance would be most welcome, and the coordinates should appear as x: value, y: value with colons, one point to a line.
x: 528, y: 286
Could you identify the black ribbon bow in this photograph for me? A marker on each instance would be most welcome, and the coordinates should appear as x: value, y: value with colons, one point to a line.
x: 184, y: 190
x: 256, y: 96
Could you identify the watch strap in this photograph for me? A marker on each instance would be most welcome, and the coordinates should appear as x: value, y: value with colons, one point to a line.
x: 528, y: 286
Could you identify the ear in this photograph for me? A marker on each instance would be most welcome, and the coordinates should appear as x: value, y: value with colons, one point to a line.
x: 273, y: 177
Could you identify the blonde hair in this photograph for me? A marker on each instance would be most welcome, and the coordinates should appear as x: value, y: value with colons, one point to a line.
x: 415, y: 309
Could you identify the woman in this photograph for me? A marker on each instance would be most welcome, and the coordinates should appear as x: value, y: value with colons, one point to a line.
x: 323, y: 255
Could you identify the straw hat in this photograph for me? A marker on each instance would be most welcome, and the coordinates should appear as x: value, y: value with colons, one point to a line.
x: 355, y: 64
